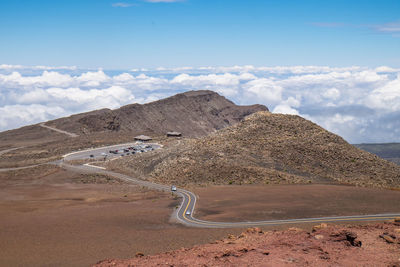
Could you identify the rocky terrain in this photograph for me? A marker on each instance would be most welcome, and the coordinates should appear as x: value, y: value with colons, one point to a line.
x: 193, y: 113
x: 267, y: 148
x: 325, y: 245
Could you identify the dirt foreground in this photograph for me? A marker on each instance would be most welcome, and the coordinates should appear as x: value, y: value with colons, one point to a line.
x: 278, y: 202
x: 51, y: 217
x: 367, y: 245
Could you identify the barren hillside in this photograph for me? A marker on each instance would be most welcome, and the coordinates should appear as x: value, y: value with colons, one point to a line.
x: 274, y: 148
x: 194, y: 113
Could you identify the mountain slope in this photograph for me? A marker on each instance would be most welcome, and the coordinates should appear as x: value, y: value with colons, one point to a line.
x: 275, y: 148
x: 388, y: 151
x: 194, y: 113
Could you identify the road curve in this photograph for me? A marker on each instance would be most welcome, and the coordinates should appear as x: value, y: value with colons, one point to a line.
x: 184, y: 214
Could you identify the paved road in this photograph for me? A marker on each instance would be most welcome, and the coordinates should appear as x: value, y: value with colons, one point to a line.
x: 189, y: 202
x: 185, y: 212
x: 58, y: 130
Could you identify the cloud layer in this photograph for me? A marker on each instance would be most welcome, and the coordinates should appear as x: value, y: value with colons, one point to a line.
x: 360, y: 104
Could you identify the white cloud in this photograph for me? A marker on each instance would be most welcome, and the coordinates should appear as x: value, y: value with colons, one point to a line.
x: 386, y: 69
x: 21, y: 67
x: 124, y: 77
x: 111, y: 97
x: 386, y: 97
x: 19, y: 115
x: 47, y: 78
x: 332, y: 93
x: 265, y: 90
x: 226, y: 79
x: 93, y: 79
x: 121, y: 4
x: 285, y: 109
x: 361, y: 104
x: 392, y: 27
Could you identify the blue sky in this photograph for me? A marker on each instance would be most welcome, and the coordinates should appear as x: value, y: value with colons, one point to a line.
x: 334, y: 62
x: 128, y: 34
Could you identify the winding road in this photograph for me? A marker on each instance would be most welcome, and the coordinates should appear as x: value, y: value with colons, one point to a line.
x: 184, y: 214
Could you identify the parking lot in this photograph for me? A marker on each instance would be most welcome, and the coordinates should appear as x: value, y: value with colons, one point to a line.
x: 112, y: 152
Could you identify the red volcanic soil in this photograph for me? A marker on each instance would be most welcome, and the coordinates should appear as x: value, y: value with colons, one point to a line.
x: 366, y: 245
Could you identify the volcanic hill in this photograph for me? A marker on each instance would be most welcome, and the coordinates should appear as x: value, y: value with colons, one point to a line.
x: 274, y: 148
x: 193, y: 113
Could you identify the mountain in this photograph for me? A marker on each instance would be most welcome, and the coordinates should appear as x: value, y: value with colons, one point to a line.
x: 274, y: 148
x: 388, y: 151
x: 193, y: 113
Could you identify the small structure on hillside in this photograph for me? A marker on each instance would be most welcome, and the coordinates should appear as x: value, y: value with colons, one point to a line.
x: 142, y: 138
x: 174, y: 134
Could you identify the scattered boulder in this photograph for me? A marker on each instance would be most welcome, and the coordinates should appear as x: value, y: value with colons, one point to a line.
x: 254, y: 230
x: 295, y: 229
x: 174, y: 134
x: 319, y: 227
x: 349, y: 238
x: 139, y: 255
x: 388, y: 238
x: 232, y: 237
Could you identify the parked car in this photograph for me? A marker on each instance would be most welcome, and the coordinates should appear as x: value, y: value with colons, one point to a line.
x: 92, y: 156
x: 173, y: 188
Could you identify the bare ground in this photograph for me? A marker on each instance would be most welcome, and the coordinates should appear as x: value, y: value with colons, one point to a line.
x: 52, y: 217
x: 254, y: 202
x: 59, y: 218
x: 365, y: 245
